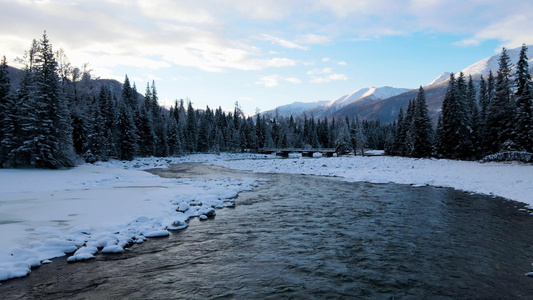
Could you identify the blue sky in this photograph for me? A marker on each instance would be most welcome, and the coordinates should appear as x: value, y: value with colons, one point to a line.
x: 271, y: 52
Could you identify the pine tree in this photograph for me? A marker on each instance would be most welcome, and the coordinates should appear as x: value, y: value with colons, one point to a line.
x: 422, y: 129
x: 53, y: 141
x: 473, y: 117
x: 359, y: 136
x: 500, y: 112
x: 483, y: 99
x: 523, y: 127
x: 127, y: 142
x: 454, y: 134
x: 5, y: 86
x: 145, y: 127
x: 409, y: 129
x: 191, y: 130
x: 346, y: 137
x: 399, y: 137
x: 96, y: 138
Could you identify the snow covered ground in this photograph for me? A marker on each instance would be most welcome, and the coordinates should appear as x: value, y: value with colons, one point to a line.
x: 509, y: 180
x: 108, y: 206
x: 47, y: 213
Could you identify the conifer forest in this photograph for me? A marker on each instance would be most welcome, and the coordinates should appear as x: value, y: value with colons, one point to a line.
x: 58, y: 116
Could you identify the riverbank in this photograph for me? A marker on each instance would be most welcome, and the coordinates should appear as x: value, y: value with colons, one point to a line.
x: 110, y: 205
x: 47, y: 213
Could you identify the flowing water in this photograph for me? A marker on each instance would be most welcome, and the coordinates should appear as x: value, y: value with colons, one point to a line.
x: 307, y: 237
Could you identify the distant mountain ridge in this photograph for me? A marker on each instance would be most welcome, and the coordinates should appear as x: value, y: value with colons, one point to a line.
x: 384, y: 103
x: 360, y: 95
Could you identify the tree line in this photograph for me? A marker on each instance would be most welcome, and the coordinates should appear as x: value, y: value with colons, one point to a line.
x: 493, y: 118
x: 58, y: 115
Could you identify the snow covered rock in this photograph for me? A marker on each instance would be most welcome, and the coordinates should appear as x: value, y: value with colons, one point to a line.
x: 177, y: 225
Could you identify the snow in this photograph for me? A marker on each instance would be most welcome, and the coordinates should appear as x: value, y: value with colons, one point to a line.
x: 372, y: 92
x: 442, y: 77
x: 109, y: 206
x: 50, y: 213
x: 293, y: 109
x: 509, y: 180
x: 485, y: 65
x: 369, y: 93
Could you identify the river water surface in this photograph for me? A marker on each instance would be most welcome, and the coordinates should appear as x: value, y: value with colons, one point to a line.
x: 307, y: 237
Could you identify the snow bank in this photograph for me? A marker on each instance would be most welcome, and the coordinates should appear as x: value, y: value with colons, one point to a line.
x: 509, y: 180
x: 50, y: 213
x: 111, y: 205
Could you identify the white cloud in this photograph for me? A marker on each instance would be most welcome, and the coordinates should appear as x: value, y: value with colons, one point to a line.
x: 273, y: 80
x: 279, y: 62
x: 268, y: 81
x: 320, y: 71
x: 293, y: 80
x: 329, y: 78
x: 342, y: 63
x: 282, y: 42
x: 313, y: 39
x: 326, y: 59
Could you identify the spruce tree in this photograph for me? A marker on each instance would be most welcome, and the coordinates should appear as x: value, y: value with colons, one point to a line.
x: 54, y: 146
x: 399, y: 137
x: 5, y: 86
x: 191, y: 130
x: 127, y: 141
x: 409, y: 129
x: 422, y: 129
x: 454, y: 134
x: 523, y: 127
x: 500, y: 112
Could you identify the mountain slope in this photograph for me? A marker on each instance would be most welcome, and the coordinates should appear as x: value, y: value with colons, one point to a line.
x: 361, y: 95
x: 384, y: 103
x: 293, y: 109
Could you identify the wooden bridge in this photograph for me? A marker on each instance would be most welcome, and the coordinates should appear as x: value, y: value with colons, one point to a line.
x: 305, y: 152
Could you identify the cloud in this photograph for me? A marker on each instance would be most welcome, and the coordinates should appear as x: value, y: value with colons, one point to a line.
x: 217, y: 36
x: 313, y: 39
x: 329, y: 78
x: 326, y: 59
x: 268, y: 81
x: 282, y: 42
x: 293, y: 80
x: 342, y: 63
x: 320, y: 71
x: 273, y: 80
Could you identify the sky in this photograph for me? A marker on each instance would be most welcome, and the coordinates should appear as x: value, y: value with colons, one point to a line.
x: 263, y: 54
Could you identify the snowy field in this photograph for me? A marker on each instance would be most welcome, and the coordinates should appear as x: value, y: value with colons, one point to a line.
x: 109, y: 206
x: 47, y: 213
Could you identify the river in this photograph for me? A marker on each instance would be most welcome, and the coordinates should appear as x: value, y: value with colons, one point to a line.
x: 309, y: 237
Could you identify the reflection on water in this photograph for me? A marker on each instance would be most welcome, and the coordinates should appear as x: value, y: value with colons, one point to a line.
x: 307, y: 237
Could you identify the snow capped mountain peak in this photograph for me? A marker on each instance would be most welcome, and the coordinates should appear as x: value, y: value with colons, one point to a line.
x: 365, y: 93
x: 442, y: 77
x: 293, y: 109
x: 484, y: 66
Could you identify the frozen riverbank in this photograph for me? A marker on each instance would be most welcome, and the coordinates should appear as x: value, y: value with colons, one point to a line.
x: 47, y: 213
x: 509, y: 180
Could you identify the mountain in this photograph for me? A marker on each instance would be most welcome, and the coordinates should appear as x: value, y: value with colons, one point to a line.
x: 384, y: 103
x: 483, y: 66
x: 293, y: 109
x: 363, y: 95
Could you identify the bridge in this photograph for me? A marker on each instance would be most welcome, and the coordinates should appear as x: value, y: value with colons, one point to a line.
x: 305, y: 152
